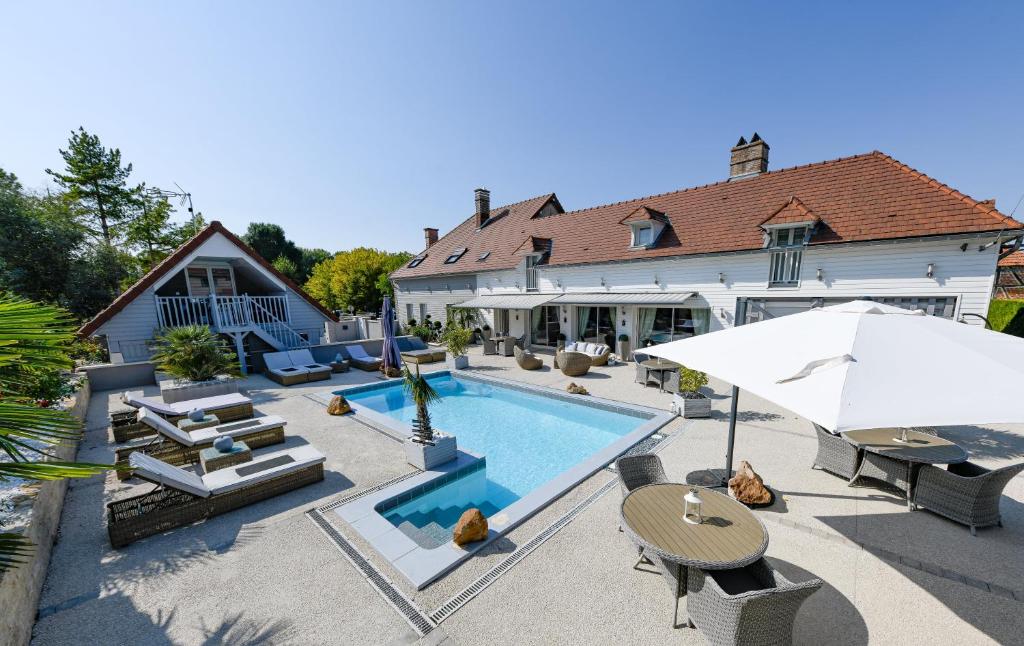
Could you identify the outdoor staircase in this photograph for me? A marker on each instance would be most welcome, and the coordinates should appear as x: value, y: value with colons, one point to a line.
x: 264, y: 316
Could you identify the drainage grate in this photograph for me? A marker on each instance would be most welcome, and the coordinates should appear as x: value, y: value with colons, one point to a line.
x: 402, y: 604
x: 489, y: 577
x: 345, y: 499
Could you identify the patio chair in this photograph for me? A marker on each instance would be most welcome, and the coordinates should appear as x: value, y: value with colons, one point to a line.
x: 177, y: 447
x: 303, y: 358
x: 749, y: 605
x: 637, y: 471
x: 573, y: 364
x: 835, y: 454
x: 966, y: 493
x: 490, y: 346
x: 362, y: 360
x: 281, y: 369
x: 641, y: 370
x: 125, y: 425
x: 182, y: 497
x: 527, y: 360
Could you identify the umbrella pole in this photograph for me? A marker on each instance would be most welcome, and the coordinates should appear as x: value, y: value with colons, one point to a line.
x: 732, y: 436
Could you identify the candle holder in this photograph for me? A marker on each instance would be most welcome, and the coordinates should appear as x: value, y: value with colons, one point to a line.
x: 692, y: 505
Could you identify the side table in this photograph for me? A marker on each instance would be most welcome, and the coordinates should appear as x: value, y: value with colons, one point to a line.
x: 208, y: 420
x: 340, y: 366
x: 212, y: 460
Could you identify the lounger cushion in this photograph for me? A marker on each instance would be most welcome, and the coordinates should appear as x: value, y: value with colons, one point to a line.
x: 304, y: 359
x: 416, y: 343
x: 162, y: 426
x: 359, y: 353
x: 237, y: 429
x: 291, y: 371
x: 209, y: 404
x: 160, y: 472
x: 277, y: 463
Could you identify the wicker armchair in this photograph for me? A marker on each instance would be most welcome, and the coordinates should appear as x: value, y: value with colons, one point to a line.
x: 750, y: 605
x: 641, y: 370
x: 527, y: 360
x: 636, y: 471
x: 966, y: 493
x: 490, y: 346
x: 835, y: 454
x: 573, y: 364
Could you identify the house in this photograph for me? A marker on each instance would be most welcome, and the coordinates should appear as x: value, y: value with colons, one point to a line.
x: 1010, y: 277
x: 756, y: 245
x: 214, y: 279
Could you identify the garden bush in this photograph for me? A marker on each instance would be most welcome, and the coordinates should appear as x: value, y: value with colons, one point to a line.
x: 1007, y: 316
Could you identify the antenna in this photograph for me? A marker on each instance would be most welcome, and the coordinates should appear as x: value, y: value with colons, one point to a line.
x: 182, y: 195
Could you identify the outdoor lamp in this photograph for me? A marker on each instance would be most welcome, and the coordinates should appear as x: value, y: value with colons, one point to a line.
x: 931, y: 269
x: 721, y: 277
x: 692, y: 508
x: 821, y: 273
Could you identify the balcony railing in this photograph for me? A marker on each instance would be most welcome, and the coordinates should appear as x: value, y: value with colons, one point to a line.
x: 221, y: 312
x: 531, y: 279
x: 785, y: 267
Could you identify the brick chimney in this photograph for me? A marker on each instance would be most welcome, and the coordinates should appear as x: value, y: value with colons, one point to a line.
x: 430, y: 236
x: 748, y: 159
x: 482, y: 197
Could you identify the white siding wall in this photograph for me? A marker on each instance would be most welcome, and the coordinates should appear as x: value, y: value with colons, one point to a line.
x: 131, y: 327
x: 305, y: 318
x: 435, y: 293
x: 849, y: 271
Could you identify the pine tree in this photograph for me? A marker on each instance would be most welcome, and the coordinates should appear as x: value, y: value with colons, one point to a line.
x: 96, y: 184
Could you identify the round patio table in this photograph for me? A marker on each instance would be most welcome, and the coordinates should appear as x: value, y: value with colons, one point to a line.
x: 660, y: 366
x: 731, y: 536
x: 918, y: 449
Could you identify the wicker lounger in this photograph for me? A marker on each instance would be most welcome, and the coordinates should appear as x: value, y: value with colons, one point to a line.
x: 125, y: 426
x: 184, y: 497
x: 362, y: 360
x: 178, y: 448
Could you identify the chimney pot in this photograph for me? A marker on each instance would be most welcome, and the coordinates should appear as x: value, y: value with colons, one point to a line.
x: 748, y: 159
x: 482, y: 198
x: 430, y: 236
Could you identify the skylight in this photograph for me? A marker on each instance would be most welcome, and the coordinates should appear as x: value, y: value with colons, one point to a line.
x: 415, y: 262
x: 455, y: 255
x: 484, y: 255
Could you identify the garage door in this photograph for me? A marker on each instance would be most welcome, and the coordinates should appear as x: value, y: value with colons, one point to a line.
x: 760, y: 309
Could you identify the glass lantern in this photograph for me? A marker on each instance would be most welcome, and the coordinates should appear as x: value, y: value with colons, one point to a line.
x: 692, y: 505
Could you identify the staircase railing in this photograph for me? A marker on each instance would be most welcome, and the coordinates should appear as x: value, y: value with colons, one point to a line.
x: 265, y: 318
x: 231, y: 313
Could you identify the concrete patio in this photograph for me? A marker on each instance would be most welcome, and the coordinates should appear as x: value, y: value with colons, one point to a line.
x: 268, y: 574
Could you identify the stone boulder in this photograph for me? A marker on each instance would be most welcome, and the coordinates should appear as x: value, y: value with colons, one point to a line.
x: 472, y: 526
x: 573, y: 389
x: 338, y: 406
x: 747, y: 487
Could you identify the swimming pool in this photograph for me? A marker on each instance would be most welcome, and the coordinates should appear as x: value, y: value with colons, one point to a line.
x: 527, y: 445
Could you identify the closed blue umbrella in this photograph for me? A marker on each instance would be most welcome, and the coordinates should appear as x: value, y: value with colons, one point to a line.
x: 392, y: 358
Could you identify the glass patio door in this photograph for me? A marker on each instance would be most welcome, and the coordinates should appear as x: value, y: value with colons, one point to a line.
x: 544, y: 325
x: 596, y: 324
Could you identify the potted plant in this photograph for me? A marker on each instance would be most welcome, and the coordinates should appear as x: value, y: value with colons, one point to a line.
x: 426, y: 448
x: 689, y: 401
x: 487, y: 331
x: 478, y: 334
x: 560, y: 343
x: 200, y: 361
x: 457, y: 339
x: 623, y: 349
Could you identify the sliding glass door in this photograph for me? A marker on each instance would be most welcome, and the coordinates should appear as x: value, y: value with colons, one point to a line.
x: 596, y: 325
x: 663, y: 324
x: 544, y: 325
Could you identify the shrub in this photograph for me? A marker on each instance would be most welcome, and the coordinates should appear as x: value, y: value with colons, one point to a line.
x: 457, y: 338
x: 411, y: 323
x: 195, y: 353
x: 691, y: 381
x: 422, y: 331
x: 1007, y: 316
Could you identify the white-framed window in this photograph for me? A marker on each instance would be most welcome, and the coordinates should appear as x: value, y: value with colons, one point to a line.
x: 423, y: 313
x: 643, y: 235
x: 786, y: 257
x: 202, y: 280
x: 408, y: 312
x: 663, y: 324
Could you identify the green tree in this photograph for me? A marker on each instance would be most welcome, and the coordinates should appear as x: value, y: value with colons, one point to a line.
x: 33, y: 338
x: 270, y: 242
x: 311, y: 258
x: 356, y: 278
x: 151, y: 232
x: 96, y: 279
x: 95, y: 184
x: 288, y: 268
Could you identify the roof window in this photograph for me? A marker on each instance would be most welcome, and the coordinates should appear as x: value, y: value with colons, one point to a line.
x: 455, y: 255
x: 415, y: 262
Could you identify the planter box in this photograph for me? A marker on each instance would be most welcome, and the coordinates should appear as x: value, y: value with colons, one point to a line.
x: 691, y: 408
x: 179, y: 390
x: 427, y: 457
x: 458, y: 363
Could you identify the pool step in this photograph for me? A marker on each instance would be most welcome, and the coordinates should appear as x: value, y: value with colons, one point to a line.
x: 429, y: 536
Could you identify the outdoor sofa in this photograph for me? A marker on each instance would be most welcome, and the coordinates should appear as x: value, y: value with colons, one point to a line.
x: 598, y: 352
x: 294, y: 367
x: 414, y: 350
x: 362, y: 360
x: 182, y: 497
x: 177, y: 447
x: 125, y: 424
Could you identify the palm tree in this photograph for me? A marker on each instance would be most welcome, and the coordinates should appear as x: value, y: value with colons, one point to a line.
x: 194, y: 352
x: 423, y: 394
x: 33, y: 337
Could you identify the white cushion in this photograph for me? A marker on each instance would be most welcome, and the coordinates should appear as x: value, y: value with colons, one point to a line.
x: 358, y: 352
x: 225, y: 480
x: 208, y: 404
x: 304, y: 358
x: 590, y: 348
x: 600, y: 349
x: 160, y: 472
x: 277, y: 360
x: 138, y: 400
x: 570, y: 347
x: 160, y: 425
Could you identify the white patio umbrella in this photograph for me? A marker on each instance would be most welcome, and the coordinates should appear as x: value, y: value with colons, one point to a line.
x: 865, y: 365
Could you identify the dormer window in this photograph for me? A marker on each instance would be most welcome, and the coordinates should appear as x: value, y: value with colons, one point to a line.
x: 643, y: 235
x: 645, y: 226
x: 786, y: 258
x: 455, y: 255
x: 415, y: 262
x: 787, y: 236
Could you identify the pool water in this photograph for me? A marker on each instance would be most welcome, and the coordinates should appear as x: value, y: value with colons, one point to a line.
x: 527, y: 439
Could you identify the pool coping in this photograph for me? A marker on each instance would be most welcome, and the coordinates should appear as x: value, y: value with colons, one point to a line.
x: 422, y: 566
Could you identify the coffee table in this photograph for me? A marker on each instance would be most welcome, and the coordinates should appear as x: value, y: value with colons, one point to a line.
x: 918, y: 449
x: 213, y: 460
x: 188, y: 425
x: 731, y: 536
x: 340, y: 366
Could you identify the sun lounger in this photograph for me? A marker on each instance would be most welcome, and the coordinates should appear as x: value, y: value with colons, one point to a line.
x: 303, y: 358
x: 281, y: 369
x: 362, y: 360
x: 178, y: 447
x: 414, y: 350
x: 227, y: 408
x: 184, y: 497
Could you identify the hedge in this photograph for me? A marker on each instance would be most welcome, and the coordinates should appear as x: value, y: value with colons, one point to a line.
x: 1007, y: 316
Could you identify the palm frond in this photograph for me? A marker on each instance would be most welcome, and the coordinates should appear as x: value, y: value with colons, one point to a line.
x: 51, y: 470
x: 12, y: 548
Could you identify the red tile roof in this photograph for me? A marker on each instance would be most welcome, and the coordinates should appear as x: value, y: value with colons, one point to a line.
x: 864, y: 197
x: 1015, y: 259
x: 177, y: 256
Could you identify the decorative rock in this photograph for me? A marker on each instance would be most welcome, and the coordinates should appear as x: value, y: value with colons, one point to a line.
x: 224, y: 444
x: 196, y: 414
x: 338, y: 406
x: 472, y: 526
x: 572, y: 388
x: 747, y: 487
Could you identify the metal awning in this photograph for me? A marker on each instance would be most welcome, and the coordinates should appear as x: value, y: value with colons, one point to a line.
x: 623, y: 298
x: 507, y: 301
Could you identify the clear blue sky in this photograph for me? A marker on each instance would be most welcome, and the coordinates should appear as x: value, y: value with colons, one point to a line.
x: 359, y: 124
